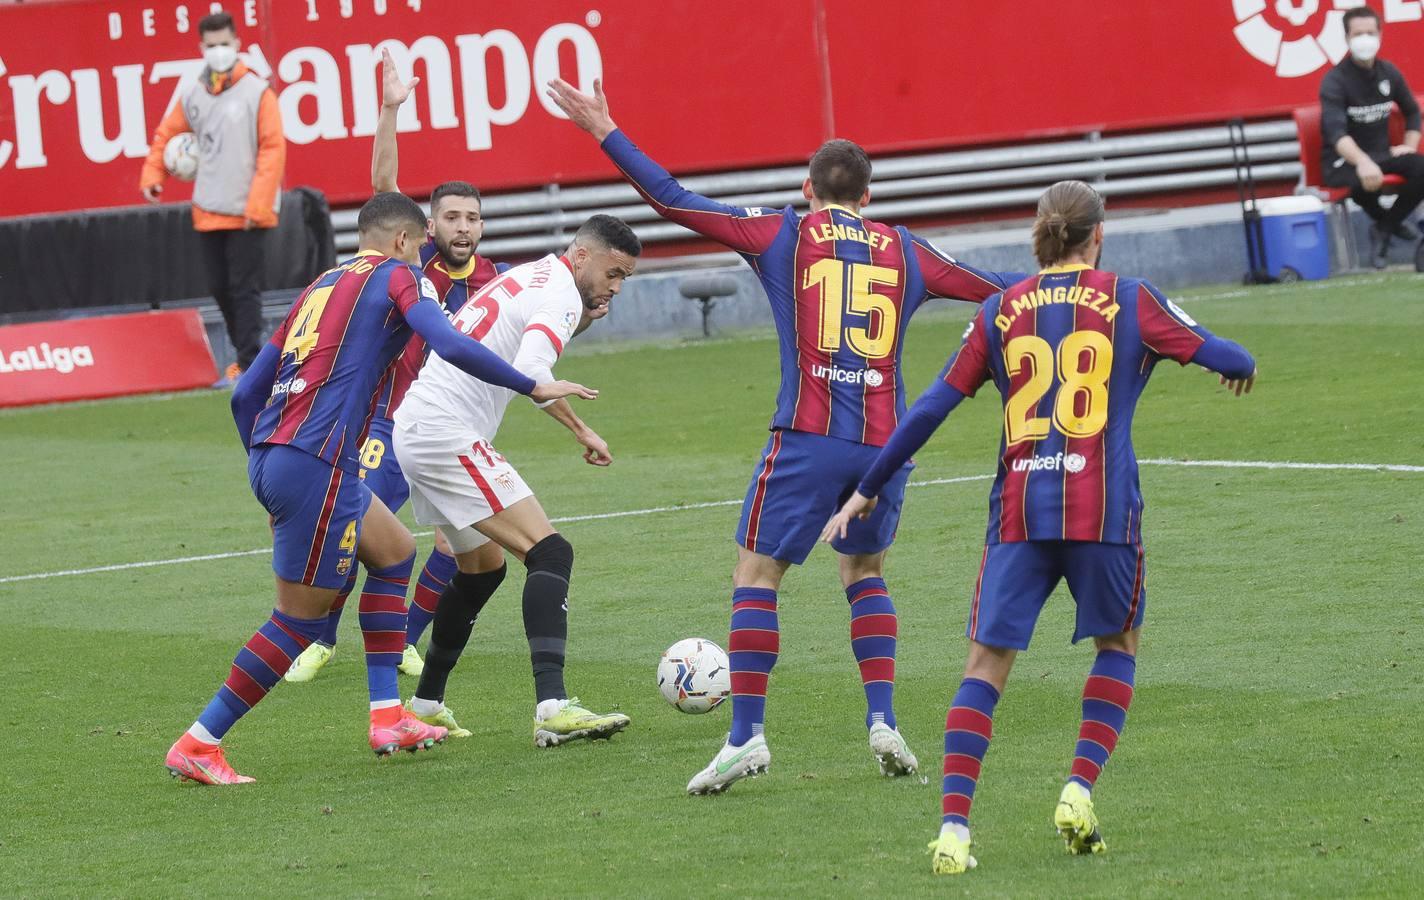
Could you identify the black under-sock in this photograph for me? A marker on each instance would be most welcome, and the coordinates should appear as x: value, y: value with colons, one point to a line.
x: 460, y: 604
x: 546, y: 613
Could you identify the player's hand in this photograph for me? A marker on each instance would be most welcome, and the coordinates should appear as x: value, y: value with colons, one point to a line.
x: 151, y: 192
x: 393, y: 91
x: 1370, y: 175
x: 249, y: 223
x: 858, y: 506
x: 1402, y: 150
x: 553, y: 390
x: 1239, y: 386
x: 595, y: 449
x: 588, y: 113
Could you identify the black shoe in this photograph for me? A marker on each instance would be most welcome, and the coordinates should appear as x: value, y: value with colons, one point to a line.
x: 1379, y: 247
x: 1405, y: 231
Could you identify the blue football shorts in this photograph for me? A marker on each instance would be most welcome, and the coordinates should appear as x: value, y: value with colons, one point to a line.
x: 801, y: 481
x: 316, y: 512
x: 1108, y: 583
x: 379, y: 468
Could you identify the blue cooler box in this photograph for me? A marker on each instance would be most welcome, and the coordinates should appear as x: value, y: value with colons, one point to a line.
x: 1295, y: 238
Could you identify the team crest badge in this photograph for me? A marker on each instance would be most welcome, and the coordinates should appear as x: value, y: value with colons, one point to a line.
x: 1384, y: 87
x: 343, y: 565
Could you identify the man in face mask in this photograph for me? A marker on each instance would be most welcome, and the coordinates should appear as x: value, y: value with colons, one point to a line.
x: 1356, y: 98
x: 241, y: 154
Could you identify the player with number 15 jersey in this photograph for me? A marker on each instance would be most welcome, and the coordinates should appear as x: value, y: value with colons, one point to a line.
x: 842, y: 290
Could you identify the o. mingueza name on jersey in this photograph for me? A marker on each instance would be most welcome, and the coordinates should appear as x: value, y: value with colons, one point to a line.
x: 1079, y: 295
x: 33, y: 359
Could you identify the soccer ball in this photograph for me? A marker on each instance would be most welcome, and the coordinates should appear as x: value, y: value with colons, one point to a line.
x: 694, y: 675
x: 180, y: 156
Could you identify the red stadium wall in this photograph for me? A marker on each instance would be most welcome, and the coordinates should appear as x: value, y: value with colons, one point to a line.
x: 706, y: 86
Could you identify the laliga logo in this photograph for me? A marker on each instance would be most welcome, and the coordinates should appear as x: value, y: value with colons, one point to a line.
x: 1298, y: 37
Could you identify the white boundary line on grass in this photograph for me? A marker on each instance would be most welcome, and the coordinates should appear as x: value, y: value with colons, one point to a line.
x: 652, y: 510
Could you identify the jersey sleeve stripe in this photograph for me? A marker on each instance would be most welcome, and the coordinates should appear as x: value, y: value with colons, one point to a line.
x: 548, y: 333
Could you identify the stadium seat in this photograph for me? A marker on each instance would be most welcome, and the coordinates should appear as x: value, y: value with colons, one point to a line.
x: 1307, y: 126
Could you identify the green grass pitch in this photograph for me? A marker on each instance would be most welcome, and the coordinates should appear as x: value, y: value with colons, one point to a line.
x: 1274, y: 747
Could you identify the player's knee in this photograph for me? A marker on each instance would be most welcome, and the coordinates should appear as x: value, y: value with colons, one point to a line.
x: 552, y: 554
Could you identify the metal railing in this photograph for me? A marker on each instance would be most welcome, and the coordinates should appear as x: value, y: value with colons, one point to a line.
x: 527, y: 223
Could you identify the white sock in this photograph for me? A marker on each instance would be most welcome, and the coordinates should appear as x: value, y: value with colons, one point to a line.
x: 384, y: 704
x: 203, y: 734
x: 547, y: 708
x: 956, y: 829
x: 422, y: 707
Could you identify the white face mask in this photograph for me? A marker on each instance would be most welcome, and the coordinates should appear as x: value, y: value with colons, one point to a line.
x: 1365, y: 47
x: 220, y: 57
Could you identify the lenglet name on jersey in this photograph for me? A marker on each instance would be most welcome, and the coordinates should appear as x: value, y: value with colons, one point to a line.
x: 1088, y: 297
x: 832, y: 231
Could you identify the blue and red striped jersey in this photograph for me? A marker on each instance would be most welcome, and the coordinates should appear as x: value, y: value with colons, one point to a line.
x: 454, y: 286
x: 337, y: 343
x: 842, y: 291
x: 1070, y: 350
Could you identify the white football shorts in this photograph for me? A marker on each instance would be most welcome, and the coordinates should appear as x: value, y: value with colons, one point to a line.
x: 456, y: 480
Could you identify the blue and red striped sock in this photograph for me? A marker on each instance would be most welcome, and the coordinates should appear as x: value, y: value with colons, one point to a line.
x: 382, y: 615
x: 967, y: 731
x: 259, y: 665
x: 439, y: 569
x: 873, y: 630
x: 751, y: 651
x: 1106, y: 696
x: 333, y: 618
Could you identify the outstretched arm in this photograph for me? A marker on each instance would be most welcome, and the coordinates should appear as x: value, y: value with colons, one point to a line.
x: 385, y: 161
x: 746, y: 230
x: 1172, y: 334
x: 947, y: 277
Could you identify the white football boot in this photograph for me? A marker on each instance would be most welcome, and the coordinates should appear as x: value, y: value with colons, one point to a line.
x: 732, y: 764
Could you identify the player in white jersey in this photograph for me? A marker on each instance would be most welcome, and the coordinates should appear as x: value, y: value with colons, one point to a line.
x: 444, y: 433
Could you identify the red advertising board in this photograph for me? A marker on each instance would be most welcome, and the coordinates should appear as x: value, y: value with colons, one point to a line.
x: 706, y: 86
x: 106, y: 356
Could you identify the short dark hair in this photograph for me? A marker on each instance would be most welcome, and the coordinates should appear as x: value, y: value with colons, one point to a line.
x: 840, y: 172
x: 612, y: 232
x: 1359, y: 12
x: 217, y: 21
x: 390, y: 212
x: 452, y: 189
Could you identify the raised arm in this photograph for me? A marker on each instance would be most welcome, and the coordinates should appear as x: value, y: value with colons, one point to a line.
x: 385, y: 161
x: 951, y: 279
x: 744, y: 229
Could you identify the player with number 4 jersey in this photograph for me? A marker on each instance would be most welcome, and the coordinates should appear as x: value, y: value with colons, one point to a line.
x: 842, y: 290
x: 301, y: 409
x: 1070, y: 350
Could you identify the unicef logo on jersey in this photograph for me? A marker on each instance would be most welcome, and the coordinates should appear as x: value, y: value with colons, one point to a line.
x: 868, y: 377
x: 1072, y: 463
x: 1294, y: 37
